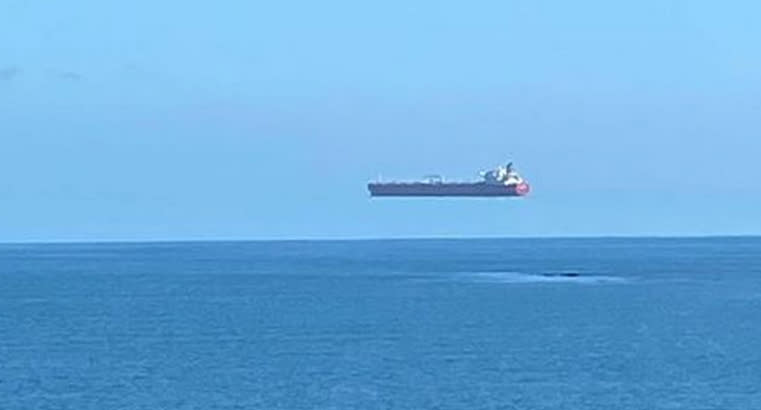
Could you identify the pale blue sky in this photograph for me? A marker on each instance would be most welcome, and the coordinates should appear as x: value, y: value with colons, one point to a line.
x: 241, y: 119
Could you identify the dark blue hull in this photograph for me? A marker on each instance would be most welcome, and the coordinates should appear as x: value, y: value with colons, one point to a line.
x: 422, y: 189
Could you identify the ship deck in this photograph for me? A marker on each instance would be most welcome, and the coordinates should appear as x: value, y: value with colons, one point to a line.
x: 478, y: 189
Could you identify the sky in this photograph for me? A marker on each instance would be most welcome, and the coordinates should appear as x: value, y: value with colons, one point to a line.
x: 172, y: 120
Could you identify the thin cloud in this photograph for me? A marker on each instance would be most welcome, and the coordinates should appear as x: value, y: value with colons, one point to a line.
x: 71, y: 76
x: 9, y: 73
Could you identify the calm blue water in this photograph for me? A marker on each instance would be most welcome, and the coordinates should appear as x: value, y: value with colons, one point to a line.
x: 465, y: 324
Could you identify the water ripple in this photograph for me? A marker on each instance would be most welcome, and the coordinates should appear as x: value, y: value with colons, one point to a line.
x: 546, y: 277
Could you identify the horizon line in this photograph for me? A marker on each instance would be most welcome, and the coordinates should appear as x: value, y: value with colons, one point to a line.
x: 373, y: 239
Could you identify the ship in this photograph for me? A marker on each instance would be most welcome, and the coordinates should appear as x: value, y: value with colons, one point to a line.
x: 503, y: 181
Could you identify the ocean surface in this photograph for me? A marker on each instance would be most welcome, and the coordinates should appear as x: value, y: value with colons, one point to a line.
x: 408, y: 324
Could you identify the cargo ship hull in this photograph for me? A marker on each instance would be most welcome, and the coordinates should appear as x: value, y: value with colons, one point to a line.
x: 416, y: 189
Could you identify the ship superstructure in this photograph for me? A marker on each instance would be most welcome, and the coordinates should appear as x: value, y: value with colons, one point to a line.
x: 502, y: 181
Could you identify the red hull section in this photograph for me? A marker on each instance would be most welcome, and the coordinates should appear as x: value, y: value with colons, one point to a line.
x: 447, y: 189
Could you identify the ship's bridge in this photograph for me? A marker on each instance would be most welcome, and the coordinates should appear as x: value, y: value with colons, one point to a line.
x: 503, y: 176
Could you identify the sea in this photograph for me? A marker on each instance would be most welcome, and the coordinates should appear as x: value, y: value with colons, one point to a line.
x: 613, y: 323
